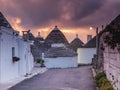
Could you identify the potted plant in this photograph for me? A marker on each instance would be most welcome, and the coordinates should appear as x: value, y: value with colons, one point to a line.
x: 41, y: 62
x: 15, y: 59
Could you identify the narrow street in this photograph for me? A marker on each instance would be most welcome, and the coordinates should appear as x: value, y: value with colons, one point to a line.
x: 60, y: 79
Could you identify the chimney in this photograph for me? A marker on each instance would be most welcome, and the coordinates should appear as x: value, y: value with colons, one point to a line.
x: 26, y: 35
x: 89, y: 37
x: 39, y: 35
x: 76, y: 35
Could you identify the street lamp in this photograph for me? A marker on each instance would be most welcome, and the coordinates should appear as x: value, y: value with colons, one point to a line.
x: 97, y: 48
x: 96, y: 28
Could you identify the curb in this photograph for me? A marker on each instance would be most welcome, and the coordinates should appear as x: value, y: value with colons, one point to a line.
x: 94, y: 74
x: 36, y: 73
x: 20, y: 79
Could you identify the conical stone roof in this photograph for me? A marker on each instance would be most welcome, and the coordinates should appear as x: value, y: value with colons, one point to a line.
x: 55, y: 36
x: 59, y: 52
x: 76, y: 43
x: 39, y: 37
x: 91, y: 43
x: 4, y: 22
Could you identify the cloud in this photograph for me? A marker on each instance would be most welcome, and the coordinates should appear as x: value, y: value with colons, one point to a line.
x: 73, y: 16
x: 42, y: 13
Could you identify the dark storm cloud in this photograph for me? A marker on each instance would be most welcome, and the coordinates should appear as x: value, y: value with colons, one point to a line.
x: 70, y: 13
x: 42, y: 12
x: 80, y: 9
x: 109, y: 11
x: 39, y: 12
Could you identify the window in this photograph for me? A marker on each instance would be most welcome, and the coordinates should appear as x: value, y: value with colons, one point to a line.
x: 13, y: 51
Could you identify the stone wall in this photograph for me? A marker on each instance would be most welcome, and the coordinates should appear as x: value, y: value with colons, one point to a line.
x: 112, y: 66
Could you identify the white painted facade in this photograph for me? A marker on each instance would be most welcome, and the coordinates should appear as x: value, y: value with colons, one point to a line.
x: 9, y: 69
x: 85, y: 55
x: 61, y: 62
x: 27, y: 61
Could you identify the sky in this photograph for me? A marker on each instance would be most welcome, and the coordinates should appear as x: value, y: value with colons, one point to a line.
x: 71, y: 16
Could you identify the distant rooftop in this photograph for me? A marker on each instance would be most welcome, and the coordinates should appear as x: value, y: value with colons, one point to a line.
x: 91, y: 43
x: 4, y: 22
x: 76, y: 43
x: 55, y: 36
x: 39, y: 37
x: 59, y: 52
x: 55, y: 28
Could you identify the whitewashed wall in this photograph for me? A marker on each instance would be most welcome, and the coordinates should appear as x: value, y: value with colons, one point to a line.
x: 61, y: 62
x: 8, y: 69
x: 85, y: 55
x: 26, y: 59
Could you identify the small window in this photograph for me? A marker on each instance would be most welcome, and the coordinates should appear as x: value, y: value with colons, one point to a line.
x: 13, y: 51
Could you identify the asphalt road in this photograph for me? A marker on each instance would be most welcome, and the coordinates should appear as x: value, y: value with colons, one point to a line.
x: 60, y: 79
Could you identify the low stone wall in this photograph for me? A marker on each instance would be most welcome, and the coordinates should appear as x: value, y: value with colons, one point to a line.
x: 61, y: 62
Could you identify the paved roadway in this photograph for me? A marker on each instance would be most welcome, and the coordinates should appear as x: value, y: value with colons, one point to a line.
x: 60, y: 79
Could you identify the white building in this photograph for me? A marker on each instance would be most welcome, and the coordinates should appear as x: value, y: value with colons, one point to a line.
x: 58, y: 56
x: 86, y: 53
x: 26, y: 63
x: 12, y: 45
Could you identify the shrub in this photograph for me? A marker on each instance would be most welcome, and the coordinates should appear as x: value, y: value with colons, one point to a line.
x: 40, y: 61
x: 106, y: 86
x: 102, y: 82
x: 100, y: 75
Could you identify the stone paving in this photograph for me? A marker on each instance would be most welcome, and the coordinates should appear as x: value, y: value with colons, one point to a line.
x: 60, y: 79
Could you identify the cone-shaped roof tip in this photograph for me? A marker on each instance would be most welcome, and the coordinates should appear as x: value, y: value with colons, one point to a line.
x: 76, y: 35
x: 56, y: 28
x: 39, y: 36
x: 3, y: 21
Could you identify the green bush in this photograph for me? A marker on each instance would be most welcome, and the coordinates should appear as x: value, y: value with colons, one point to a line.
x: 102, y: 82
x: 100, y: 75
x: 40, y: 61
x: 106, y: 86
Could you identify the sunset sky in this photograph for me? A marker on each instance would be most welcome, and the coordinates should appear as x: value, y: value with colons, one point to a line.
x: 71, y: 16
